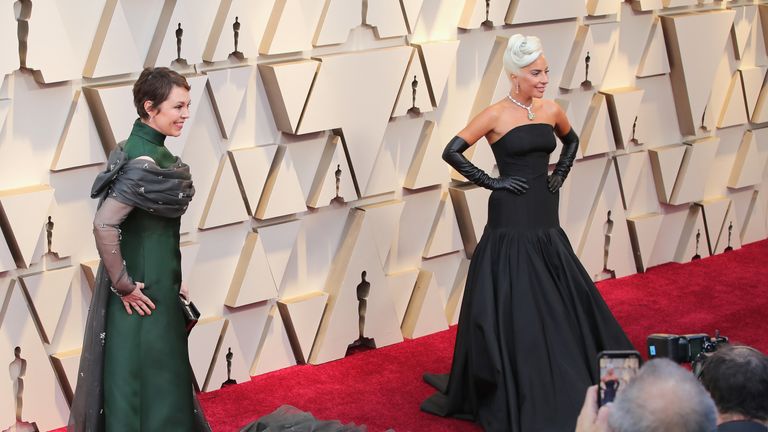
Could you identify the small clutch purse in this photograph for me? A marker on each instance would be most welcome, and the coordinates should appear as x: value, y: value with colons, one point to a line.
x: 191, y: 314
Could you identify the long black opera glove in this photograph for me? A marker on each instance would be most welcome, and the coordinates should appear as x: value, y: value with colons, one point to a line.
x: 567, y: 155
x: 453, y: 155
x: 106, y: 230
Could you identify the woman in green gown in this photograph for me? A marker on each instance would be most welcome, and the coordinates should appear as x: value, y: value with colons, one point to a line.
x: 134, y: 369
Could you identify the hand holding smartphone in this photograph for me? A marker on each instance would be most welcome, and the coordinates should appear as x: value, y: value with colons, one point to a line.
x: 616, y: 369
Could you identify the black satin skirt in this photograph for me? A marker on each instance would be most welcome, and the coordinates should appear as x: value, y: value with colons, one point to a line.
x: 531, y: 324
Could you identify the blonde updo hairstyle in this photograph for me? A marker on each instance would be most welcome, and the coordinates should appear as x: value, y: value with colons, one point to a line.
x: 521, y: 51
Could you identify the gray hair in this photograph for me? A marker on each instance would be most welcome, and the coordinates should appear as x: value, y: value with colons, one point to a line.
x: 663, y: 397
x: 521, y: 51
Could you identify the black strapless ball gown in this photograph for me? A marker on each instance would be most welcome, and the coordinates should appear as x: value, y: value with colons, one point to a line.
x: 531, y: 322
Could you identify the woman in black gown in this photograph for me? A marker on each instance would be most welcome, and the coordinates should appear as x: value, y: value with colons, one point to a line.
x: 532, y: 321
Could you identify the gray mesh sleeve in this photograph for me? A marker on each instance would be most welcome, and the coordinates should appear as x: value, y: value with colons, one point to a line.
x: 106, y: 231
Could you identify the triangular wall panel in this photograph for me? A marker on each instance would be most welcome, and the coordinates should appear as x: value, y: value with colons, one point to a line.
x: 202, y: 347
x: 122, y: 38
x: 666, y: 162
x: 226, y: 88
x: 401, y: 285
x: 355, y: 260
x: 225, y: 203
x: 637, y: 184
x: 437, y: 59
x: 6, y: 258
x: 654, y: 60
x: 596, y: 42
x: 427, y: 167
x: 646, y: 5
x: 623, y: 106
x: 26, y: 210
x: 644, y: 231
x: 324, y: 185
x: 386, y: 18
x: 275, y: 351
x: 351, y: 83
x: 693, y: 239
x: 279, y: 241
x: 301, y: 316
x: 728, y: 239
x: 605, y: 248
x: 66, y: 365
x: 90, y: 270
x: 414, y: 92
x: 714, y: 211
x: 693, y: 70
x: 478, y: 12
x: 752, y: 82
x: 252, y: 17
x: 524, y: 11
x: 79, y: 144
x: 692, y: 179
x: 603, y: 7
x: 412, y: 11
x: 413, y: 232
x: 240, y: 371
x: 43, y: 400
x: 189, y: 21
x: 287, y: 86
x: 111, y: 105
x: 386, y: 217
x: 749, y: 166
x: 252, y: 168
x: 597, y: 135
x: 339, y: 17
x: 444, y: 236
x: 252, y: 281
x: 291, y: 26
x: 48, y: 291
x: 742, y: 27
x: 5, y: 107
x: 734, y: 112
x: 426, y: 310
x: 282, y: 193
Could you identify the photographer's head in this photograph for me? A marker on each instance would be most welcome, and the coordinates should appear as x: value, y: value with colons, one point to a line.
x: 737, y: 379
x: 663, y: 397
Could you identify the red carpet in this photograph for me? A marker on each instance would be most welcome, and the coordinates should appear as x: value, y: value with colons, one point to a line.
x: 383, y: 388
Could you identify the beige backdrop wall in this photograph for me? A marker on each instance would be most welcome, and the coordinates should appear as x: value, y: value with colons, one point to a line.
x: 316, y: 156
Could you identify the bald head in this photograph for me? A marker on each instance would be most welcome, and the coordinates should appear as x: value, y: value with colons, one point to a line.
x: 663, y: 397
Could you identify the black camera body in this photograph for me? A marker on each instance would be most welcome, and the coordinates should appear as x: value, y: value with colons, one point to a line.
x: 690, y: 348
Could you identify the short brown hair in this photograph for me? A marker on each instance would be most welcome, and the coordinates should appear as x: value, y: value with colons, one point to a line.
x: 154, y: 85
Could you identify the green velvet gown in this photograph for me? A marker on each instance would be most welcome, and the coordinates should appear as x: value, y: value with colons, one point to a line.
x: 147, y: 377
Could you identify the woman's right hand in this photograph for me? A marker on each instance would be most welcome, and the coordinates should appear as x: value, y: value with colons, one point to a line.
x: 138, y: 301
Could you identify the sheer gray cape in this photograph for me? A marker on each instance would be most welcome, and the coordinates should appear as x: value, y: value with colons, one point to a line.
x: 162, y: 191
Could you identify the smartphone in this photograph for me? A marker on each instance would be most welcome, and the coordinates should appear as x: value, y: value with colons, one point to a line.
x: 616, y: 369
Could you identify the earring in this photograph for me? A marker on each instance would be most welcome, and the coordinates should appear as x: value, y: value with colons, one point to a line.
x: 517, y: 84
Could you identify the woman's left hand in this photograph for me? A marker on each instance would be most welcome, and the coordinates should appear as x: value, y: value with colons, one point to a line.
x: 184, y: 290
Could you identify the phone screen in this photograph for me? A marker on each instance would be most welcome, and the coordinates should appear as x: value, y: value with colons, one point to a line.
x: 617, y: 368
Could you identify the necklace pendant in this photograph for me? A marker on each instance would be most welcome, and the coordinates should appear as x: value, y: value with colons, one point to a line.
x: 531, y: 115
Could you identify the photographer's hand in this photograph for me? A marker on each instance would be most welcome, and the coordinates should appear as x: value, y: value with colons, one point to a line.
x: 592, y: 419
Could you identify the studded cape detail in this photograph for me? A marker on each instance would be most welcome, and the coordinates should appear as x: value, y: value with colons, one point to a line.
x: 142, y: 183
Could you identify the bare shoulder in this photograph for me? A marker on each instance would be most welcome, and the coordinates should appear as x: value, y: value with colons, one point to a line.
x: 146, y: 158
x: 557, y: 116
x: 551, y: 107
x: 492, y: 111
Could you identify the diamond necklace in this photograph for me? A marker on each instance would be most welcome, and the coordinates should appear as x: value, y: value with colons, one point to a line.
x: 531, y: 115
